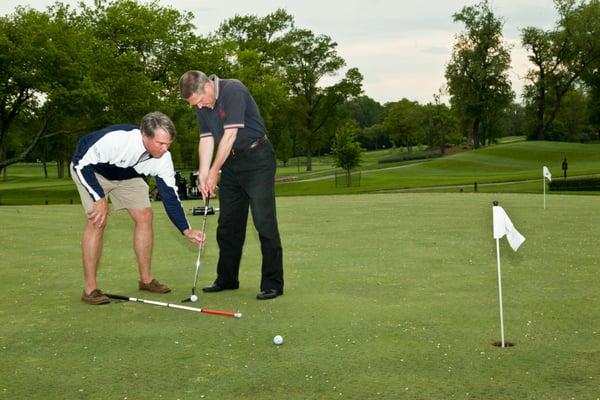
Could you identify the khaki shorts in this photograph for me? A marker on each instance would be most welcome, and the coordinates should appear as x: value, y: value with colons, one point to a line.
x: 129, y: 193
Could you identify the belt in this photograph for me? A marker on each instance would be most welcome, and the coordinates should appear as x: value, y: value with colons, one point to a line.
x: 256, y: 143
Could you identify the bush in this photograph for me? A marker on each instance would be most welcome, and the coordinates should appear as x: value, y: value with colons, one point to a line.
x: 420, y: 155
x: 575, y: 184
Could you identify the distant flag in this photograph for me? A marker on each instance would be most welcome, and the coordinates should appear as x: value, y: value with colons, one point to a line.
x: 503, y: 226
x: 546, y: 173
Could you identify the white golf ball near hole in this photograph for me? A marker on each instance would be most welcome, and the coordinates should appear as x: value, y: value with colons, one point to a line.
x: 278, y: 339
x: 194, y: 298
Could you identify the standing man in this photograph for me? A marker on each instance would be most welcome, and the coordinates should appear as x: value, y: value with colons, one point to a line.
x: 111, y: 163
x: 228, y: 116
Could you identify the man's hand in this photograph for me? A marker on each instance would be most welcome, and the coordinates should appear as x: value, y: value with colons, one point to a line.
x: 97, y: 215
x: 212, y: 182
x: 208, y: 183
x: 203, y: 184
x: 194, y: 236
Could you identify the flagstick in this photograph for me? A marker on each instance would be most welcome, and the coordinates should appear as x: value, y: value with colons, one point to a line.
x: 500, y: 292
x: 544, y: 183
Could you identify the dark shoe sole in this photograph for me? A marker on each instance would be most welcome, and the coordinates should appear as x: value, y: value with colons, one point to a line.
x: 156, y: 291
x: 217, y: 288
x: 269, y: 294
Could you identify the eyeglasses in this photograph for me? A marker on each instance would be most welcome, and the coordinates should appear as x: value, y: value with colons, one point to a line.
x: 195, y: 100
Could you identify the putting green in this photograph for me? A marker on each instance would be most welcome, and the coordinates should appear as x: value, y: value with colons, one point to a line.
x: 387, y: 296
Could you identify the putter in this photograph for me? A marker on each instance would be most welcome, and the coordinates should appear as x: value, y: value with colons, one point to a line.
x: 199, y: 210
x: 177, y: 306
x: 193, y: 298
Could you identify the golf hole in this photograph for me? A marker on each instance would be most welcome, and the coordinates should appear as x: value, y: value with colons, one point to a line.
x: 506, y: 344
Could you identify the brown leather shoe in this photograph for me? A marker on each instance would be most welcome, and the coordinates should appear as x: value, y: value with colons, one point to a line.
x: 154, y: 287
x: 95, y: 297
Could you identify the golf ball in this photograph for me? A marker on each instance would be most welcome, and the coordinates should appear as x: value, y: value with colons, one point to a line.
x: 278, y: 339
x: 194, y: 298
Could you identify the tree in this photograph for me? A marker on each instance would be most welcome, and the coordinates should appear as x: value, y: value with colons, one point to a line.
x: 64, y: 71
x: 140, y: 52
x: 513, y: 121
x: 378, y: 134
x: 309, y: 59
x: 439, y: 125
x: 366, y: 112
x: 345, y: 149
x: 591, y: 80
x: 264, y: 36
x: 282, y: 67
x: 561, y: 57
x: 404, y: 122
x: 546, y: 49
x: 594, y: 109
x: 255, y: 46
x: 477, y: 74
x: 572, y: 121
x: 40, y: 78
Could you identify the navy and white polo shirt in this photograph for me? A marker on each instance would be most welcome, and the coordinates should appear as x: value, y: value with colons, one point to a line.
x: 234, y: 108
x: 118, y: 153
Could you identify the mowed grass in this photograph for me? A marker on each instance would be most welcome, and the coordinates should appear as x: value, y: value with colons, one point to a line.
x: 507, y: 167
x: 26, y: 184
x: 511, y: 162
x: 387, y: 296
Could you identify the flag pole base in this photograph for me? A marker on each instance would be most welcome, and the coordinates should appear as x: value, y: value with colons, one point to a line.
x: 506, y: 344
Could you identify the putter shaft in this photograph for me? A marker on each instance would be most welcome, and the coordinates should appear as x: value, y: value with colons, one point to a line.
x: 200, y: 250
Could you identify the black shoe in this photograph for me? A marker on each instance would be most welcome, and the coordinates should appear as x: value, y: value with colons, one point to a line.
x: 216, y: 288
x: 269, y: 294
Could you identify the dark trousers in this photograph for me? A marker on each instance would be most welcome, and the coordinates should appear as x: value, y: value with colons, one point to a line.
x: 248, y: 181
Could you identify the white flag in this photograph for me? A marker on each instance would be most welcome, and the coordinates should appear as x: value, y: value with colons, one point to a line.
x: 504, y: 226
x: 547, y: 173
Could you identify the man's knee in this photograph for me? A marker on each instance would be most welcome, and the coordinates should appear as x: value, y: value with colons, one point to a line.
x: 141, y: 215
x: 92, y: 228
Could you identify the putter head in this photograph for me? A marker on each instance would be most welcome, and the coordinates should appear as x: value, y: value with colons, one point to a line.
x: 191, y: 298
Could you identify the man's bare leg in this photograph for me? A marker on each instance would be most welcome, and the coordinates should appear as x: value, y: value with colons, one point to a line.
x: 143, y: 237
x: 91, y: 250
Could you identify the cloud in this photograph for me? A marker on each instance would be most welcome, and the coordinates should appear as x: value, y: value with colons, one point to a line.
x: 400, y: 47
x: 409, y: 66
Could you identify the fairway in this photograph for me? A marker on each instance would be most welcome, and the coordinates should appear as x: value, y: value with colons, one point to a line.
x: 511, y: 167
x: 387, y: 296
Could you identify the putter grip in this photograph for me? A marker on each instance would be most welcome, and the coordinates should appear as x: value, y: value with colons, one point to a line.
x: 116, y: 296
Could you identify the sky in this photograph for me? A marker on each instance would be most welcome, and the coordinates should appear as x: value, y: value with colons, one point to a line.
x: 400, y: 47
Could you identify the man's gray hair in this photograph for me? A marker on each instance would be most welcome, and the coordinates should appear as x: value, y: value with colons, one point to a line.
x: 192, y: 82
x: 153, y: 121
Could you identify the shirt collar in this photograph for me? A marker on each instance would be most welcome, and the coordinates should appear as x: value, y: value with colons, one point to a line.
x: 144, y: 155
x: 217, y: 81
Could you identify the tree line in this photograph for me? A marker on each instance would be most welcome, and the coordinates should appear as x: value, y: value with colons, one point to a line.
x: 66, y: 71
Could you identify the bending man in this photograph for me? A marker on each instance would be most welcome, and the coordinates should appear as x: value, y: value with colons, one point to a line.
x: 112, y: 163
